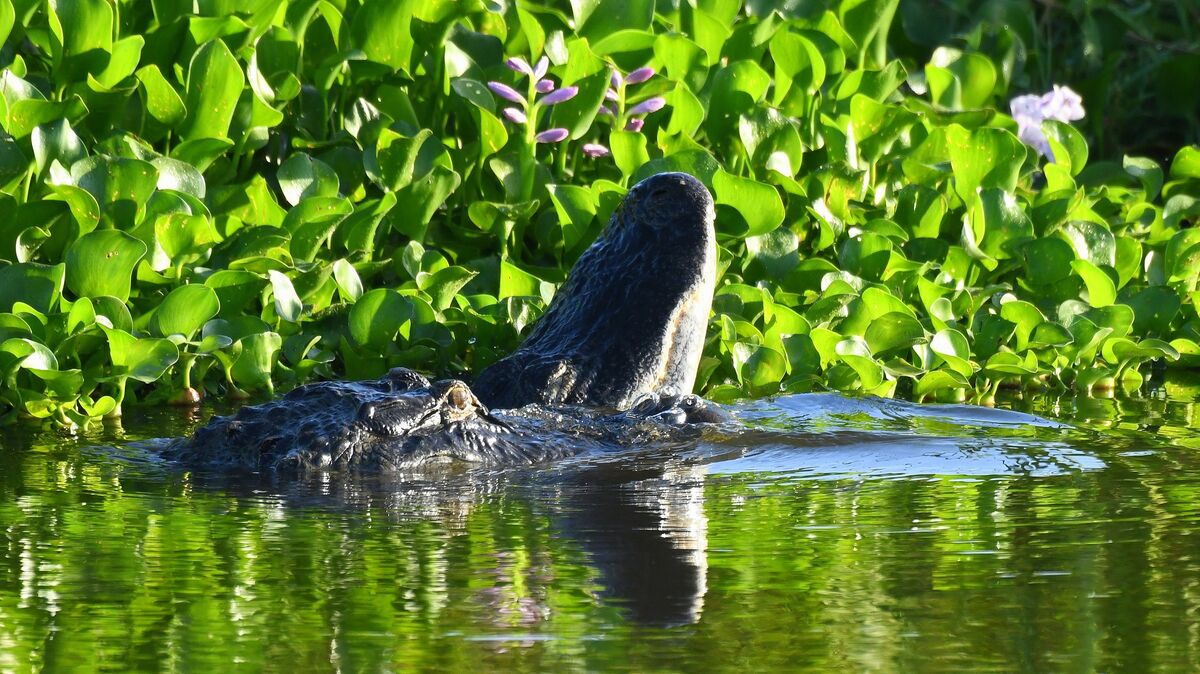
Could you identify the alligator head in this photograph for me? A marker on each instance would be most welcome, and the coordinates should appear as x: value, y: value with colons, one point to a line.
x: 401, y: 420
x: 631, y: 317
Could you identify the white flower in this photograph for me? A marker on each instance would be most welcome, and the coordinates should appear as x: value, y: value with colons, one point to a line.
x: 1029, y: 111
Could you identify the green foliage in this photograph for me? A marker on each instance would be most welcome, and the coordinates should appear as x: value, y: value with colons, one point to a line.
x: 238, y: 200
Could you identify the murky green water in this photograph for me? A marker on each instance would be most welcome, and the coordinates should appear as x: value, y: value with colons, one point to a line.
x: 844, y: 535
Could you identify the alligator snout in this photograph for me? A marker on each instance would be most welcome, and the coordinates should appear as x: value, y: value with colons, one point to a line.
x: 440, y: 404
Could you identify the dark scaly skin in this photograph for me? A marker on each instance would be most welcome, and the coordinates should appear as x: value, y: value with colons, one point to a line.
x: 631, y: 317
x: 625, y: 332
x: 402, y: 421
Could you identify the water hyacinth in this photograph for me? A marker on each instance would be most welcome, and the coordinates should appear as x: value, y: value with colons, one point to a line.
x: 1029, y: 111
x: 530, y: 101
x: 629, y: 119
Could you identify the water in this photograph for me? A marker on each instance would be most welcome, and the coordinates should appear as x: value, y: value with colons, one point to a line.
x: 859, y: 535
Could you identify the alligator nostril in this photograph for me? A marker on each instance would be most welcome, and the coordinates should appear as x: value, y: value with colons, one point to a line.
x: 367, y: 411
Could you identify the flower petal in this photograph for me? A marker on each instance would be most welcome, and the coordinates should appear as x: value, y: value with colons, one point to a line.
x: 606, y: 111
x: 506, y: 92
x: 649, y: 105
x: 616, y: 80
x: 552, y: 136
x: 564, y: 94
x: 640, y: 75
x: 595, y: 150
x: 612, y: 95
x: 539, y: 71
x: 635, y: 124
x: 544, y: 86
x: 520, y: 65
x: 515, y: 115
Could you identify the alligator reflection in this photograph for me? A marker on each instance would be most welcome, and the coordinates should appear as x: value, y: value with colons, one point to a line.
x: 640, y: 523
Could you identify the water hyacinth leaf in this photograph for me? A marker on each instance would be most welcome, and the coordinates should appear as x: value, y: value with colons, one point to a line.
x: 983, y: 157
x: 628, y: 150
x: 287, y: 303
x: 102, y: 263
x: 7, y: 19
x: 301, y: 176
x: 939, y: 380
x: 1186, y: 163
x: 252, y: 369
x: 999, y: 223
x: 112, y: 312
x: 144, y: 359
x: 179, y: 176
x: 578, y: 113
x: 1047, y: 260
x: 377, y: 317
x: 759, y: 368
x: 349, y: 284
x: 184, y: 311
x: 162, y: 101
x: 516, y: 282
x: 420, y: 200
x: 444, y: 285
x: 576, y: 208
x: 214, y: 83
x: 958, y: 79
x: 381, y: 30
x: 1091, y: 241
x: 398, y: 159
x: 758, y: 203
x: 127, y: 183
x: 953, y: 348
x: 596, y: 20
x: 1154, y: 308
x: 37, y: 285
x: 798, y: 63
x: 235, y: 289
x: 1069, y: 148
x: 26, y: 115
x: 1102, y: 291
x: 855, y: 352
x: 56, y: 141
x: 201, y: 152
x: 19, y: 352
x: 893, y: 331
x: 357, y: 232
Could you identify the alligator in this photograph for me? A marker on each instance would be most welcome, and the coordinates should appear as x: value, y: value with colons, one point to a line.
x: 610, y: 363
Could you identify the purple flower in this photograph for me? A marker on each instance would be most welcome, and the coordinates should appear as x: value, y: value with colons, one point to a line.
x: 504, y: 91
x: 649, y: 105
x: 515, y: 115
x: 544, y: 86
x: 552, y: 136
x: 564, y: 94
x: 616, y: 80
x: 539, y: 71
x: 595, y: 150
x: 520, y: 65
x: 612, y: 95
x: 606, y: 111
x: 634, y: 124
x: 640, y: 75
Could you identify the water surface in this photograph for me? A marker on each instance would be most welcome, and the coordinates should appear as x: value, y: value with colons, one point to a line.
x: 837, y: 533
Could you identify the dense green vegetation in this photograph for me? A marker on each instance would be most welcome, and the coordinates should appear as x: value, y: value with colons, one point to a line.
x: 267, y: 191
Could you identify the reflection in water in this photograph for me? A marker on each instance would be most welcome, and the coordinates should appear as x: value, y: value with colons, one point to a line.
x: 842, y: 534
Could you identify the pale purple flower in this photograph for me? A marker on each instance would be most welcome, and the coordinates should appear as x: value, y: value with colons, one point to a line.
x: 552, y: 136
x: 544, y: 86
x: 616, y: 80
x: 1063, y: 104
x: 520, y: 65
x: 539, y: 71
x: 555, y: 97
x: 504, y: 91
x: 640, y: 75
x: 1029, y: 111
x: 606, y: 110
x: 595, y: 150
x: 612, y: 95
x: 649, y: 105
x: 634, y: 124
x: 515, y: 115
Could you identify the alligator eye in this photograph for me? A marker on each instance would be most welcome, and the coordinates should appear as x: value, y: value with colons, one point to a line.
x: 459, y: 398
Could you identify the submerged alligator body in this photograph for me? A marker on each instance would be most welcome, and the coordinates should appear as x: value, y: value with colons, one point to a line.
x: 610, y: 363
x: 402, y: 421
